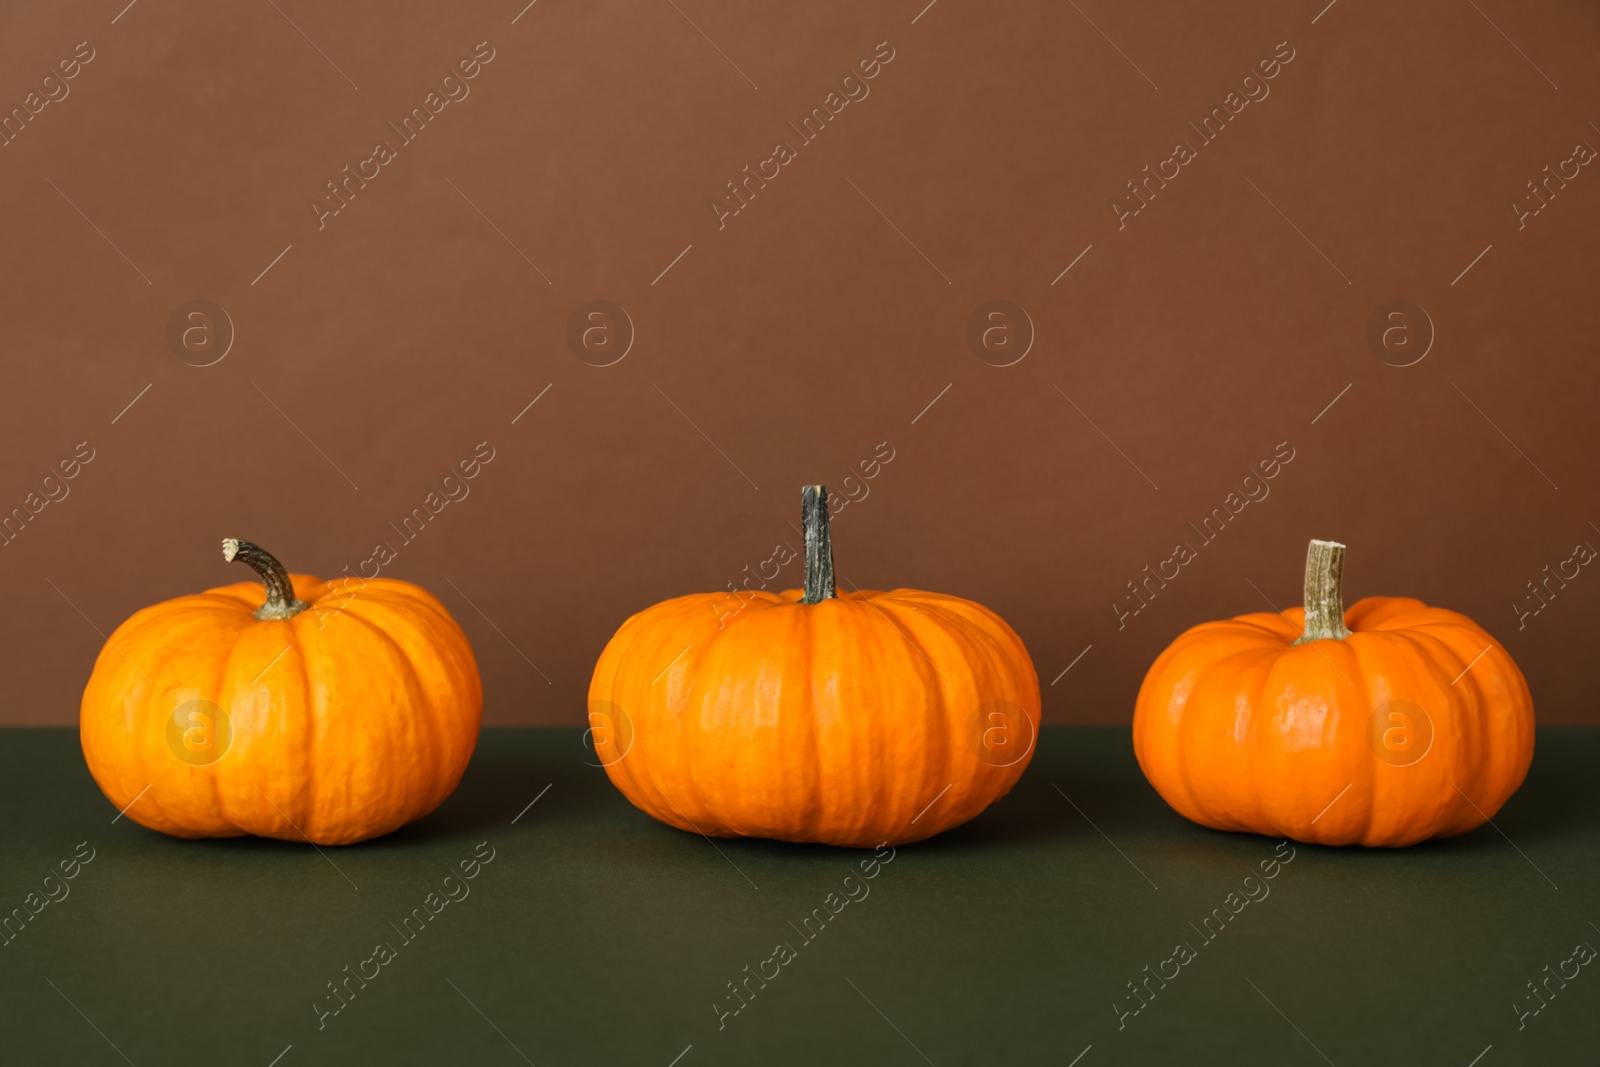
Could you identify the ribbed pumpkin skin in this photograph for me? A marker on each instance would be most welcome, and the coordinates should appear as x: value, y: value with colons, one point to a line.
x: 1239, y: 731
x: 814, y: 722
x: 364, y: 724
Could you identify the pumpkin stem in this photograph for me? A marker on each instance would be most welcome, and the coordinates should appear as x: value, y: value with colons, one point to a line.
x: 1324, y: 597
x: 281, y: 601
x: 819, y: 549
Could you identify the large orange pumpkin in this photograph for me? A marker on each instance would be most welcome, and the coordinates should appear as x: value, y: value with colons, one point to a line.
x: 858, y: 718
x: 330, y: 713
x: 1385, y: 725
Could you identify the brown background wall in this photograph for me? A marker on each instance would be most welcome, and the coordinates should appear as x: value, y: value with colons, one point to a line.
x: 809, y: 332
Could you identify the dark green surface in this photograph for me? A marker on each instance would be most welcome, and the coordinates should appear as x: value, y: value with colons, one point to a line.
x: 597, y: 936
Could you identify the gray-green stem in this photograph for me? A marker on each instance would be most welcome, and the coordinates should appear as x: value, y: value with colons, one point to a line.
x: 1324, y: 597
x: 819, y: 549
x: 281, y: 602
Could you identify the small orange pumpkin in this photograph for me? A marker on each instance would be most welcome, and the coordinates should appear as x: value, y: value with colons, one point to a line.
x: 855, y: 719
x: 1385, y: 725
x: 331, y: 713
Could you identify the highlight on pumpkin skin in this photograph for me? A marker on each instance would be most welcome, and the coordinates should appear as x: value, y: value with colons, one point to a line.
x: 1384, y: 725
x: 854, y: 717
x: 294, y: 708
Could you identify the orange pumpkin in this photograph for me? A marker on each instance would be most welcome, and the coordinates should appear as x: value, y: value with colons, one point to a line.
x: 1385, y: 725
x: 860, y: 718
x: 330, y: 713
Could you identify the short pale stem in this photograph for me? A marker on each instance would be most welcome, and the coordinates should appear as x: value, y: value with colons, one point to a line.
x: 281, y: 602
x: 819, y: 549
x: 1324, y: 597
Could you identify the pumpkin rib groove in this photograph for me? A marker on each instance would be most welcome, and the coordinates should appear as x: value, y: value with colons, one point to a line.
x: 424, y: 711
x: 1366, y: 778
x: 419, y: 720
x: 817, y: 776
x: 218, y: 681
x: 684, y: 775
x: 648, y: 656
x: 1261, y: 719
x: 1260, y: 681
x: 270, y: 807
x: 1491, y: 767
x: 1433, y: 652
x: 313, y: 668
x: 937, y: 705
x: 686, y: 783
x: 955, y: 628
x: 1430, y: 658
x: 901, y: 795
x: 170, y: 644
